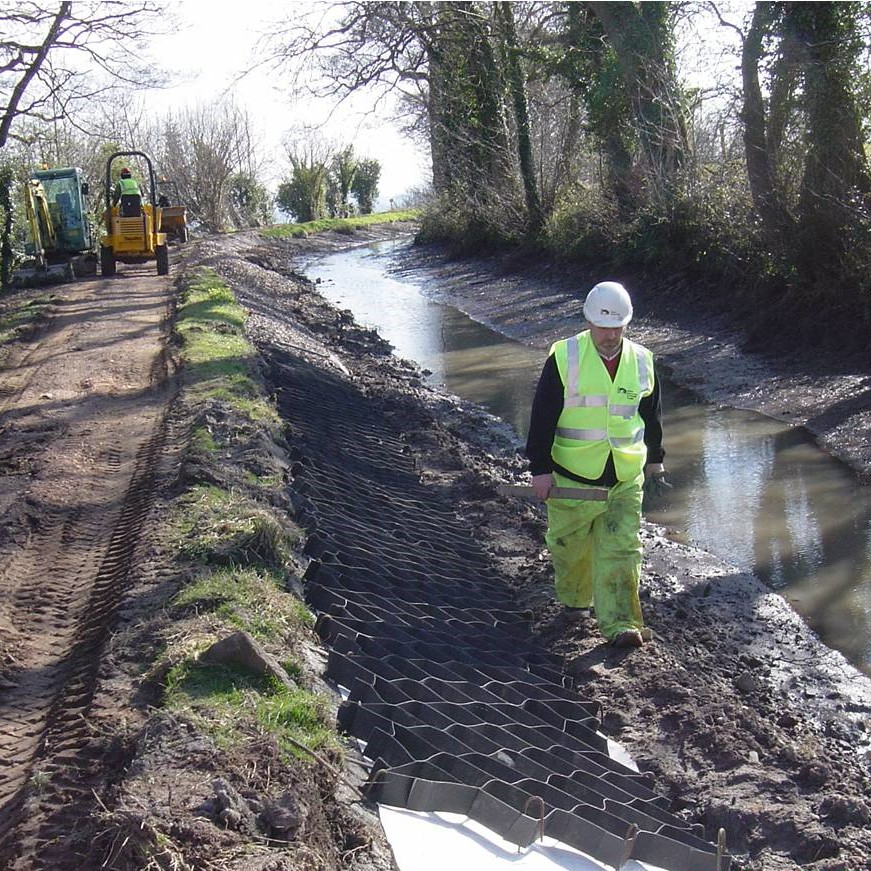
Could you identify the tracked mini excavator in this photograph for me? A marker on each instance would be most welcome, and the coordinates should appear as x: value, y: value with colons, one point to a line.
x: 59, y: 245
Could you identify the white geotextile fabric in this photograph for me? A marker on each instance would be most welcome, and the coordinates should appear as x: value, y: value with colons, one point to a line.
x: 451, y: 842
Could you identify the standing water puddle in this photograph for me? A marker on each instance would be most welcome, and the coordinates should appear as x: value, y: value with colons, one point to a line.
x: 748, y: 489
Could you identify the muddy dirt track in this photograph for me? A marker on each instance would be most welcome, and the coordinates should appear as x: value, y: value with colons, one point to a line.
x: 83, y: 399
x: 736, y: 715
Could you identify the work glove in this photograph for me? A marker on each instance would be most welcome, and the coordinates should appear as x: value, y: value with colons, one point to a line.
x: 655, y: 485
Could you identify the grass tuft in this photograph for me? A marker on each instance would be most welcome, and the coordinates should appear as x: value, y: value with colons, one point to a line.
x: 227, y: 702
x: 214, y: 526
x: 220, y: 363
x: 248, y: 599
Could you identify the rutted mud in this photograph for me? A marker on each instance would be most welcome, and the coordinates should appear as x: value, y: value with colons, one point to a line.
x: 83, y: 404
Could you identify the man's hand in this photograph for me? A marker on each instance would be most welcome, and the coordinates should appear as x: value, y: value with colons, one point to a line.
x: 541, y: 486
x: 655, y: 484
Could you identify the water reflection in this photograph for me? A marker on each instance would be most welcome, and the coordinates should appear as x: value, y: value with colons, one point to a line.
x: 465, y: 358
x: 747, y: 488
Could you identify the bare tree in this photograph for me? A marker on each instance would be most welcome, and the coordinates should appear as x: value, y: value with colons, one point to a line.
x: 341, y: 48
x: 557, y: 118
x: 56, y: 58
x: 762, y: 124
x: 201, y: 149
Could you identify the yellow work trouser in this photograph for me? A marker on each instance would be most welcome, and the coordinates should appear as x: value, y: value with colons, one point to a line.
x: 596, y: 553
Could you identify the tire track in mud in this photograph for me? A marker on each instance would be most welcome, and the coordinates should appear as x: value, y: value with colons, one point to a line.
x: 18, y: 373
x: 51, y: 711
x: 66, y: 562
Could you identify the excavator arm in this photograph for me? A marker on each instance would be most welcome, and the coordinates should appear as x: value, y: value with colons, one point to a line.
x: 42, y: 242
x: 41, y: 229
x: 59, y: 244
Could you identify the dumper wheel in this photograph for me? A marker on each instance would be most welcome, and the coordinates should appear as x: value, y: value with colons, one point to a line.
x: 182, y: 235
x: 162, y: 259
x: 107, y: 261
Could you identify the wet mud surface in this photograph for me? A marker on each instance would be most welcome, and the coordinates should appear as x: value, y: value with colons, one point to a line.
x: 736, y: 715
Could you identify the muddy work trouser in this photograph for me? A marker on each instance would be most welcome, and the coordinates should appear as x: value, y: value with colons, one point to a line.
x: 596, y: 553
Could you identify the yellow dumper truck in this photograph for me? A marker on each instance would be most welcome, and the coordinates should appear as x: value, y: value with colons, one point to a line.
x: 132, y: 222
x: 173, y: 213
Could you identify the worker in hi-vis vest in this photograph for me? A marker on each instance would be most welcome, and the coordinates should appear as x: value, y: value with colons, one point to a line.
x: 595, y: 433
x: 126, y: 185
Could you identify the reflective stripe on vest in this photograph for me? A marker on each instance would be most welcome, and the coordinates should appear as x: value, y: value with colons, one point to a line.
x: 613, y: 424
x: 573, y: 399
x: 597, y: 435
x: 581, y: 435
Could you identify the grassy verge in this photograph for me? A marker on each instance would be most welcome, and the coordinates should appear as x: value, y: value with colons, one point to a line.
x: 232, y: 703
x: 220, y: 364
x: 340, y: 225
x: 233, y: 545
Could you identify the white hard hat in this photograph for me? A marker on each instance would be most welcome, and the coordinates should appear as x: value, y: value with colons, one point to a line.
x: 608, y: 305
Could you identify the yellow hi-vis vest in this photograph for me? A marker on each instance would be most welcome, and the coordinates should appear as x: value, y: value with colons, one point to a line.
x: 600, y: 416
x: 128, y: 186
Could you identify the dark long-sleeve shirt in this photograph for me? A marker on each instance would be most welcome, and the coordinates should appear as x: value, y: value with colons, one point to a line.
x: 547, y: 406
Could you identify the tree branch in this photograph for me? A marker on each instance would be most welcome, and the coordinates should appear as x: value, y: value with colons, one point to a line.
x: 11, y: 109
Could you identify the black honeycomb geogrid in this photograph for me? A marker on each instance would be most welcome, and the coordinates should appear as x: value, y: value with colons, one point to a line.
x: 458, y: 707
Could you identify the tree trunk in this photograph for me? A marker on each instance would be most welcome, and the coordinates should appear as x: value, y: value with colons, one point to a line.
x: 589, y: 66
x: 641, y: 37
x: 442, y: 177
x: 7, y: 180
x: 776, y: 221
x: 836, y: 182
x: 468, y: 131
x: 517, y: 87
